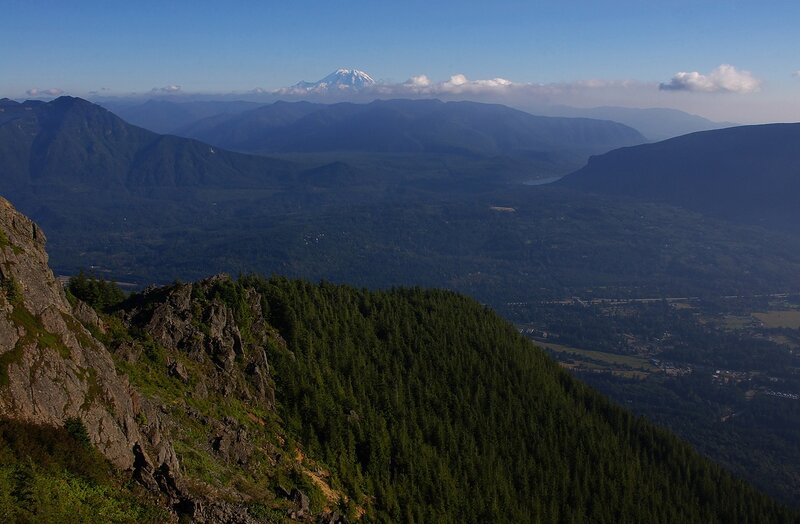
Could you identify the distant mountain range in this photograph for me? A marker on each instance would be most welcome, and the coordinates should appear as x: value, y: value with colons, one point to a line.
x: 747, y: 174
x: 655, y: 123
x: 408, y: 126
x: 165, y: 116
x: 181, y: 117
x: 174, y: 114
x: 82, y: 171
x: 72, y: 145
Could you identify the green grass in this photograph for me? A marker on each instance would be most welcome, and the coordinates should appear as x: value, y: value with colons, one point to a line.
x: 32, y: 495
x: 6, y: 359
x: 35, y: 331
x: 11, y: 289
x: 5, y: 242
x: 49, y: 474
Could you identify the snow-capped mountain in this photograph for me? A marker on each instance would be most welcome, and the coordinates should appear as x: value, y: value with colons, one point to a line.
x: 339, y: 80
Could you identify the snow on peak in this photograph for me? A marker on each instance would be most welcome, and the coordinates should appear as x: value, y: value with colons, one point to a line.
x: 350, y: 77
x: 339, y: 80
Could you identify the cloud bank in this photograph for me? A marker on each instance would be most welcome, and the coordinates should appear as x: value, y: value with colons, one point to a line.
x: 723, y: 79
x: 456, y: 84
x: 170, y: 89
x: 529, y: 96
x: 459, y: 84
x: 53, y: 91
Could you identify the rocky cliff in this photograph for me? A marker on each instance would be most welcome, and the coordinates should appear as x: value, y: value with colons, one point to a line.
x: 181, y: 367
x: 51, y: 367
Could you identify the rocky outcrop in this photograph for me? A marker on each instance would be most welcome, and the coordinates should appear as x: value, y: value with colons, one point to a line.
x: 233, y: 445
x: 217, y: 512
x: 51, y: 367
x: 188, y: 349
x: 192, y: 321
x: 87, y: 316
x: 301, y: 504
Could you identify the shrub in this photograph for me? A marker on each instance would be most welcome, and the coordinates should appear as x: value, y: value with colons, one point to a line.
x: 76, y: 428
x: 98, y: 293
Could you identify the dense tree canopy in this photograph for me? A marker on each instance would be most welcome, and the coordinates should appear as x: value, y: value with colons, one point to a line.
x: 433, y: 409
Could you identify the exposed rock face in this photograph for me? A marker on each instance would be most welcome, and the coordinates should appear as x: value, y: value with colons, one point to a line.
x: 301, y: 504
x: 51, y: 367
x: 209, y: 345
x: 204, y: 329
x: 233, y: 445
x: 87, y: 316
x: 218, y: 513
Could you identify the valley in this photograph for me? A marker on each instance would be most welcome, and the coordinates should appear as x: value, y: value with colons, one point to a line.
x: 684, y: 317
x: 721, y: 350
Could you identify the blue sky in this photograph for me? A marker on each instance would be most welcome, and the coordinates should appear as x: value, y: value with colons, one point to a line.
x: 213, y: 47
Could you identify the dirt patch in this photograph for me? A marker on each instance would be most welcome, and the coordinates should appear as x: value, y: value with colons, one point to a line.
x: 780, y: 319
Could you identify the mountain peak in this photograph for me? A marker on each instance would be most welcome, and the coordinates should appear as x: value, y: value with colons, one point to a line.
x: 339, y: 80
x: 350, y: 77
x: 74, y: 101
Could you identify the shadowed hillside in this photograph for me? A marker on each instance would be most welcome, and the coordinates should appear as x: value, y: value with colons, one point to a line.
x: 410, y: 126
x: 747, y: 174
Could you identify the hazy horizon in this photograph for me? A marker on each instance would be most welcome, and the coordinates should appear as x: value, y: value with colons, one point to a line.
x: 731, y: 62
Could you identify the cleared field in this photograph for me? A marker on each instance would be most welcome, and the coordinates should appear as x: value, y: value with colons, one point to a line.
x: 786, y: 341
x: 737, y: 322
x: 625, y: 365
x: 780, y: 319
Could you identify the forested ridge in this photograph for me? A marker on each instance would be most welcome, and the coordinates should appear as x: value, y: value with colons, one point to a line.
x: 405, y: 405
x: 430, y: 408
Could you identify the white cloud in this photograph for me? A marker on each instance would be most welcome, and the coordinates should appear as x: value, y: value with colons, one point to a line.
x: 456, y: 84
x: 457, y: 80
x: 53, y: 91
x: 796, y: 74
x: 418, y: 81
x: 419, y: 85
x: 723, y: 79
x: 460, y: 84
x: 528, y: 95
x: 172, y: 88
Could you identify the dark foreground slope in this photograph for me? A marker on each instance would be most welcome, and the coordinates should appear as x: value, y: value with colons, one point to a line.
x: 441, y: 411
x: 267, y: 400
x: 748, y: 174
